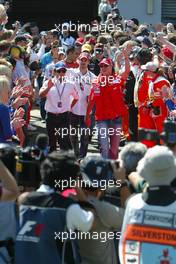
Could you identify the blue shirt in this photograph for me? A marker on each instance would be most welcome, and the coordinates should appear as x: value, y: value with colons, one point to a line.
x: 46, y: 59
x: 5, y: 128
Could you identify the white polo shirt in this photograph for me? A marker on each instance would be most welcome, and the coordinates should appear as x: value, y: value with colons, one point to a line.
x: 60, y: 94
x: 83, y: 85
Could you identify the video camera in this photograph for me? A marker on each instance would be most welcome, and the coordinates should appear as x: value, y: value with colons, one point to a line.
x: 168, y: 135
x: 28, y: 167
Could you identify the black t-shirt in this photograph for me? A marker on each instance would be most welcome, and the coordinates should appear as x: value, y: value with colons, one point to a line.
x: 129, y: 89
x: 94, y: 66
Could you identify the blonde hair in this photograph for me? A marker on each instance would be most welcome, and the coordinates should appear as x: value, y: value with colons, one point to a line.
x: 5, y: 71
x: 2, y: 12
x: 4, y: 83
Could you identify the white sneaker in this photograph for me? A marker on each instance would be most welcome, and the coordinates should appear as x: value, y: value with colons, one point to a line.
x: 31, y: 128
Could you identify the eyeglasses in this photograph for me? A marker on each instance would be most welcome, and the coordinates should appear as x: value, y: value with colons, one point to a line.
x: 61, y: 71
x: 104, y: 66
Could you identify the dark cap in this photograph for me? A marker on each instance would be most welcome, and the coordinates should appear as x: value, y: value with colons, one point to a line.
x: 94, y: 170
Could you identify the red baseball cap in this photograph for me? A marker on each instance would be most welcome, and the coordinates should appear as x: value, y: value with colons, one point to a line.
x: 91, y: 41
x: 168, y: 53
x: 84, y: 55
x: 79, y: 41
x: 106, y: 61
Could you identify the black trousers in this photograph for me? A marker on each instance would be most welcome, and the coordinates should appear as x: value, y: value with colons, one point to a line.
x: 78, y: 127
x: 57, y: 126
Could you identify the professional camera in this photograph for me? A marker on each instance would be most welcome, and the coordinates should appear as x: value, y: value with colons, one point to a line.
x: 148, y: 134
x: 28, y: 168
x: 28, y: 162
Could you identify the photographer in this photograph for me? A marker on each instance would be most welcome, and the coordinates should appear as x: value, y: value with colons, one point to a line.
x: 98, y: 175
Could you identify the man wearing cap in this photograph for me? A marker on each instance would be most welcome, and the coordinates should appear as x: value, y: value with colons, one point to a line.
x: 97, y: 173
x: 83, y: 79
x: 106, y: 95
x: 78, y: 44
x: 61, y: 96
x: 148, y: 225
x: 86, y: 48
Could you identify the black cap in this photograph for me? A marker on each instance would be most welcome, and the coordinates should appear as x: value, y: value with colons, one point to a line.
x: 94, y: 170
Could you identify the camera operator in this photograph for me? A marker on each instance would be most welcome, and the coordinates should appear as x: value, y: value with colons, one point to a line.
x: 8, y: 207
x: 147, y: 225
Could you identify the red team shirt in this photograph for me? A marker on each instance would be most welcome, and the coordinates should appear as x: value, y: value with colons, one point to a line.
x: 108, y: 99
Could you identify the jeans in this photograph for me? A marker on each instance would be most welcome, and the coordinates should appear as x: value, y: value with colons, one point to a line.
x: 77, y: 124
x: 109, y: 137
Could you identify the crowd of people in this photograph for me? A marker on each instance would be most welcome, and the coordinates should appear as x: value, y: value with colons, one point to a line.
x: 112, y: 79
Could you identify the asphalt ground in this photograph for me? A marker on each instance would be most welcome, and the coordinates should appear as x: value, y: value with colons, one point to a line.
x: 41, y: 128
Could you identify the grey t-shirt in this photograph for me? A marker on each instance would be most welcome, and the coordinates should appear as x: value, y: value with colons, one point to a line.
x: 99, y: 246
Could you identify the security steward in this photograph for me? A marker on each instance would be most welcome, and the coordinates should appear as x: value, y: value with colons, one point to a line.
x: 61, y: 96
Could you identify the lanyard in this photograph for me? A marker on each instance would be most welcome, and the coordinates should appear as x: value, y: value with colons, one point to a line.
x: 60, y: 94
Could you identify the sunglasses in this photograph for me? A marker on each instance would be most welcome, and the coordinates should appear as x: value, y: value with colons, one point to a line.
x: 104, y: 66
x: 98, y: 51
x: 61, y: 71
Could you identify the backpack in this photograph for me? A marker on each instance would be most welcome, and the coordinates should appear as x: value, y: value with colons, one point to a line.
x: 41, y: 230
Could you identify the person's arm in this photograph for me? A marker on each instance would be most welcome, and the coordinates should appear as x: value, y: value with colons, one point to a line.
x: 120, y: 175
x: 45, y: 88
x: 126, y: 71
x: 9, y: 185
x: 91, y: 103
x: 80, y: 219
x: 41, y: 51
x: 166, y: 42
x: 138, y: 183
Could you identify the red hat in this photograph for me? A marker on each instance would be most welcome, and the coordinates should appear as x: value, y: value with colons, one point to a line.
x: 168, y: 53
x: 84, y: 55
x: 91, y: 41
x: 79, y: 41
x: 106, y: 61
